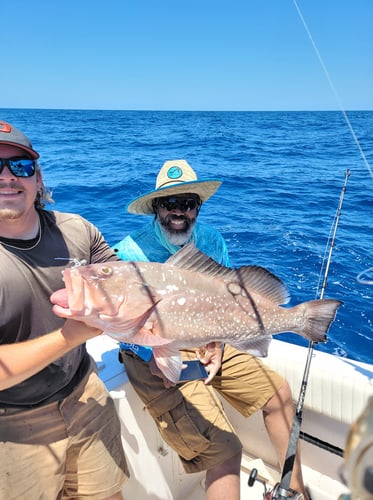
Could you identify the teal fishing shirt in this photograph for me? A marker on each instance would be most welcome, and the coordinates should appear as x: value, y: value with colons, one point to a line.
x: 149, y: 244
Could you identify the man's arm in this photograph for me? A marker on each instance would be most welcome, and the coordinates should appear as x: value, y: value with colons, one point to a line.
x: 22, y: 360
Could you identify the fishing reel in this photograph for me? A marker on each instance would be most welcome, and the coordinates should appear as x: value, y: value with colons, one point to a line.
x: 357, y: 469
x: 276, y: 493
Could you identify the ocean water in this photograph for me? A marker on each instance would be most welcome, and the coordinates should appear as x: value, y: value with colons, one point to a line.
x: 283, y: 176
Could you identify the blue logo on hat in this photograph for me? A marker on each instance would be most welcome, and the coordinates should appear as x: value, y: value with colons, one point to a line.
x: 174, y: 173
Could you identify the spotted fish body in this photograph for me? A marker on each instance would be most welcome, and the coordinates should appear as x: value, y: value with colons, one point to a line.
x: 188, y: 301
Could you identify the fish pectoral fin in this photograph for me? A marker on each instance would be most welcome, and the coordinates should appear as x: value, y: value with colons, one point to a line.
x: 256, y: 346
x: 146, y: 337
x: 128, y: 327
x: 169, y: 362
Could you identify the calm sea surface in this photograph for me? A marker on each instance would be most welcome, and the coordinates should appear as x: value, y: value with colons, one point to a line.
x: 283, y: 176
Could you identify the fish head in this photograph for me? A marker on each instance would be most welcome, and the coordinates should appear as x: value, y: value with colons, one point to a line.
x: 113, y: 296
x: 95, y: 288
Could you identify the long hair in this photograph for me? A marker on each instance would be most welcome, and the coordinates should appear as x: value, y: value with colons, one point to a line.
x: 44, y: 195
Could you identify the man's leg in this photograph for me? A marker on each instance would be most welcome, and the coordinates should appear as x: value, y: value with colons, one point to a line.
x: 191, y: 419
x: 249, y: 385
x: 223, y: 481
x: 278, y: 416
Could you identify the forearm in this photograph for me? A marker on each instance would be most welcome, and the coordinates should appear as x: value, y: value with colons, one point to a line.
x: 21, y: 360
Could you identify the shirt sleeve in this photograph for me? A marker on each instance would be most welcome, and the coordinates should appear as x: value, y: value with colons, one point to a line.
x: 211, y: 242
x: 100, y: 249
x: 128, y: 249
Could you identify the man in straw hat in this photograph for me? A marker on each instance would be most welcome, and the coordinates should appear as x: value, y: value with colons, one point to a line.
x: 59, y: 430
x: 206, y: 440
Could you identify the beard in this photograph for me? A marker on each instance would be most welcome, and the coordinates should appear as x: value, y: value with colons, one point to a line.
x: 176, y: 236
x: 9, y: 214
x: 10, y: 210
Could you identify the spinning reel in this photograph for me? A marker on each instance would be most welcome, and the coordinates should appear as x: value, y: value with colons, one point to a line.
x: 276, y: 493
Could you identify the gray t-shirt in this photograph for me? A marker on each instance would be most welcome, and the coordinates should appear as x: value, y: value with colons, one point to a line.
x: 27, y: 279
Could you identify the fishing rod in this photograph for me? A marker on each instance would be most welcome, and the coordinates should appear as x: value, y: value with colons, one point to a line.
x: 284, y: 486
x: 282, y: 490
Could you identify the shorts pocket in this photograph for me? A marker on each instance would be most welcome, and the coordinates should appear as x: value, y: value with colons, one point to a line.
x: 176, y: 426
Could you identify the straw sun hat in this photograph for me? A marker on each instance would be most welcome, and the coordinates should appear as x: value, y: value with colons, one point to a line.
x: 175, y: 177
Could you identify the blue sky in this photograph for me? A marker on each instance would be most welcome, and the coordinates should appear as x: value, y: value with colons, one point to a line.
x: 186, y: 54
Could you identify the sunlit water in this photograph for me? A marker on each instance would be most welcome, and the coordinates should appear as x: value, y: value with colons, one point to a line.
x: 283, y: 175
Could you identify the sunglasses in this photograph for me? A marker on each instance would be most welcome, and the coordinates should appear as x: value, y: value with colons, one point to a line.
x: 20, y: 167
x: 182, y: 203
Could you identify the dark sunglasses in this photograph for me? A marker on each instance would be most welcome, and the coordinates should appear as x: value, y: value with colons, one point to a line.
x: 182, y: 203
x: 20, y: 167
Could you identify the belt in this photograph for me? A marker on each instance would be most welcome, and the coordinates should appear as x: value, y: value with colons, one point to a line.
x: 130, y: 354
x: 138, y: 351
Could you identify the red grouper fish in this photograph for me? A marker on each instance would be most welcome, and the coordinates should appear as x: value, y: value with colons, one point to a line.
x: 188, y: 301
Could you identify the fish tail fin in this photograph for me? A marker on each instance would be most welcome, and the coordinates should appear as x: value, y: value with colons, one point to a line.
x: 319, y: 314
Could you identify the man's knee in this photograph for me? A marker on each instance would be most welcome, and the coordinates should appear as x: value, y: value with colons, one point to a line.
x: 281, y: 398
x: 232, y: 466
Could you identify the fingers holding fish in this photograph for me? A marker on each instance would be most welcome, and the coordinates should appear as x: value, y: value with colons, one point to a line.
x: 211, y: 357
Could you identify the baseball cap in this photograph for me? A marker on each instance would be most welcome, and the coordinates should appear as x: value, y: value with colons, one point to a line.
x: 13, y: 137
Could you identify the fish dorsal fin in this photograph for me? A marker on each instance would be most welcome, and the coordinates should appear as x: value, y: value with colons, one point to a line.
x: 261, y: 281
x: 257, y: 278
x: 189, y: 257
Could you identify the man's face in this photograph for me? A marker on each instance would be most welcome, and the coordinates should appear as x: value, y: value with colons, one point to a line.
x: 17, y: 194
x: 177, y: 216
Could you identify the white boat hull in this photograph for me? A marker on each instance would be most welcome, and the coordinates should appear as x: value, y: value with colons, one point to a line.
x: 337, y: 392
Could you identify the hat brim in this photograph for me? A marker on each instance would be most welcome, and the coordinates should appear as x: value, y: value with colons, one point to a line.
x: 143, y: 204
x: 34, y: 155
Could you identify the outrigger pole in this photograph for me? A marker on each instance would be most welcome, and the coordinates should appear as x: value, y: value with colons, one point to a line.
x: 283, y: 490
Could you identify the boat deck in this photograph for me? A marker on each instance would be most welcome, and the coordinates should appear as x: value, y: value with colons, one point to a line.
x: 337, y: 392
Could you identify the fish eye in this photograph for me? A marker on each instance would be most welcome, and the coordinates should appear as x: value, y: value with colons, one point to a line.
x: 105, y: 271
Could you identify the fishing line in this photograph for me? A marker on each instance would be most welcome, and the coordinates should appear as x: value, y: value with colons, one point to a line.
x: 283, y: 490
x: 363, y: 277
x: 347, y: 120
x: 331, y: 239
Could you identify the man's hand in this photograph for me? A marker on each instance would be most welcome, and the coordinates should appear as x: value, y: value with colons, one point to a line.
x: 210, y: 356
x: 77, y: 332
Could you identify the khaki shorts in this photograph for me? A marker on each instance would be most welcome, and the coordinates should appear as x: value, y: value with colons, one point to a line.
x: 66, y: 449
x: 190, y: 416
